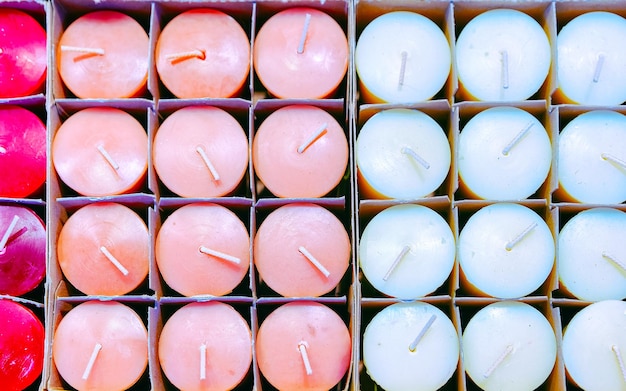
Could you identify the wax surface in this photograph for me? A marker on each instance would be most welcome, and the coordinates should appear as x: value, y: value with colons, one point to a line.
x: 124, y: 235
x: 286, y: 171
x: 83, y: 167
x: 508, y: 346
x: 120, y: 71
x: 227, y: 340
x: 429, y: 257
x: 315, y: 72
x: 320, y: 330
x: 121, y: 333
x: 21, y: 346
x: 23, y: 56
x: 22, y: 152
x: 203, y: 225
x: 388, y: 340
x: 218, y: 55
x: 279, y: 257
x: 401, y: 57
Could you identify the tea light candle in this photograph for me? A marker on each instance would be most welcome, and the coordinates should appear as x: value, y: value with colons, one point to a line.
x: 504, y: 153
x: 407, y: 251
x: 591, y: 59
x: 401, y: 57
x: 100, y: 346
x: 508, y: 346
x: 22, y: 250
x: 591, y: 258
x: 23, y: 57
x: 22, y: 152
x: 301, y: 250
x: 303, y: 346
x: 300, y: 151
x: 215, y: 245
x: 203, y: 53
x: 21, y: 346
x: 401, y: 153
x: 506, y: 250
x: 591, y: 161
x: 103, y: 249
x: 410, y: 346
x: 100, y: 152
x: 593, y: 346
x: 201, y: 152
x: 205, y: 346
x: 301, y: 53
x: 502, y: 55
x: 94, y: 63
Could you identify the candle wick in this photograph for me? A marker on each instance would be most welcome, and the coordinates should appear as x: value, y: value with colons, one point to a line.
x: 218, y: 254
x: 108, y: 158
x: 114, y: 260
x: 93, y: 51
x: 620, y: 361
x: 499, y: 360
x: 615, y: 160
x: 517, y: 139
x: 312, y: 138
x: 505, y: 69
x: 599, y: 64
x: 207, y: 163
x: 8, y: 232
x: 422, y: 332
x: 203, y: 361
x: 305, y: 29
x: 509, y: 246
x: 182, y: 56
x: 410, y: 152
x: 92, y: 361
x: 314, y: 261
x: 395, y: 263
x: 3, y: 150
x: 616, y: 261
x: 302, y: 346
x: 402, y: 70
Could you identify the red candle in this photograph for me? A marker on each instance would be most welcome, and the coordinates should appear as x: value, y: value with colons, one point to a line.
x: 103, y: 249
x: 23, y: 59
x: 22, y: 250
x: 22, y: 152
x: 303, y: 346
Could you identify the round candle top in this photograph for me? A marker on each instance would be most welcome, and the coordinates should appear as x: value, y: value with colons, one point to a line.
x: 506, y: 250
x: 591, y: 59
x: 22, y: 152
x: 94, y: 62
x: 214, y: 244
x: 300, y: 151
x: 22, y: 250
x: 594, y: 344
x: 301, y: 250
x: 23, y: 57
x: 103, y: 249
x: 591, y: 161
x: 205, y: 346
x: 591, y: 257
x: 101, y: 346
x: 401, y: 153
x: 502, y: 55
x: 303, y: 346
x: 301, y: 53
x: 504, y: 154
x: 201, y: 152
x: 100, y: 152
x: 410, y: 346
x: 21, y: 346
x: 203, y: 53
x: 402, y: 57
x: 508, y: 346
x: 407, y: 251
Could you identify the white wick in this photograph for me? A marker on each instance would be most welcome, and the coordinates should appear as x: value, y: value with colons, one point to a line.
x: 3, y: 150
x: 108, y: 158
x: 402, y: 70
x: 517, y: 139
x: 599, y: 64
x: 422, y: 332
x: 305, y: 357
x: 208, y: 163
x: 8, y: 232
x: 409, y: 151
x: 314, y: 261
x: 503, y: 356
x: 615, y: 261
x: 620, y: 361
x: 95, y: 51
x: 305, y: 29
x: 395, y: 263
x: 202, y: 361
x: 509, y: 246
x: 114, y: 260
x: 505, y: 69
x: 314, y: 136
x: 218, y: 254
x: 615, y: 160
x: 177, y: 57
x: 92, y: 361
